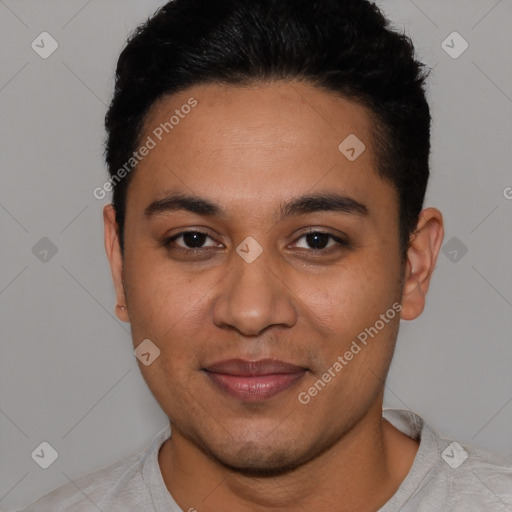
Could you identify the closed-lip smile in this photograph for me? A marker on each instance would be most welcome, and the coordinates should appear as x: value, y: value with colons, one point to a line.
x: 254, y: 381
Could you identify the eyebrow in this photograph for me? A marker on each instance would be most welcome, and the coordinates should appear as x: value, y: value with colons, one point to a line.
x: 299, y: 206
x: 322, y: 202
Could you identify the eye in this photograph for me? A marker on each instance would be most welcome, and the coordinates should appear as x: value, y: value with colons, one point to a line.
x: 192, y: 241
x: 319, y: 241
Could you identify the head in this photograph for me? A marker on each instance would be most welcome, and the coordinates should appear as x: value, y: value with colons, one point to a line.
x: 294, y: 137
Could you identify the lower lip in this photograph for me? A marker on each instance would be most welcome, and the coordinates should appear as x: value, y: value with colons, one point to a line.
x: 255, y: 388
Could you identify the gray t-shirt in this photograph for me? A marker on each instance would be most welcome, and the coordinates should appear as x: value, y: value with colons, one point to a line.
x: 445, y: 476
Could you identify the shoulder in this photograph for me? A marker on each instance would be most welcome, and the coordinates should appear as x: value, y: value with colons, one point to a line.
x: 479, y: 475
x: 465, y: 479
x: 90, y: 491
x: 120, y: 486
x: 450, y: 475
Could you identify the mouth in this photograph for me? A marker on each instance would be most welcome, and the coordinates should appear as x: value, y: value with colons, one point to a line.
x: 254, y: 381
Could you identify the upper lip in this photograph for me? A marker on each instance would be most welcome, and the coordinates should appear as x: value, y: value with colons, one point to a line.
x: 245, y: 368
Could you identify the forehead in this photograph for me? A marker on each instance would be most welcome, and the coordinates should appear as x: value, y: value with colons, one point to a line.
x: 260, y: 141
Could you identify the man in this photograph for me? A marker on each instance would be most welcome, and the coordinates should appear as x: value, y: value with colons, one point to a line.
x: 269, y: 161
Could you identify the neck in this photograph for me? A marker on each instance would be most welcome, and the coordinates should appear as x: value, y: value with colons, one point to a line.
x: 360, y: 472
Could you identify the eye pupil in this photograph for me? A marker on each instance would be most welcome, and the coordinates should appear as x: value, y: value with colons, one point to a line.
x: 194, y: 239
x: 315, y: 239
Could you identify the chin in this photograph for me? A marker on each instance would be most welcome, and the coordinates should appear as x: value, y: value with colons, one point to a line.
x: 255, y: 461
x: 265, y: 457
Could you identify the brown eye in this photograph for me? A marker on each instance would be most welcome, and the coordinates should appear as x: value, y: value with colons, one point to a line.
x: 189, y: 240
x: 319, y: 241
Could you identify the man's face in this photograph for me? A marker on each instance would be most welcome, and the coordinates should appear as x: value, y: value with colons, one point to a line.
x: 303, y: 300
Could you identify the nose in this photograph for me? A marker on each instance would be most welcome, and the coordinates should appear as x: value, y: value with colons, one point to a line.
x: 253, y: 297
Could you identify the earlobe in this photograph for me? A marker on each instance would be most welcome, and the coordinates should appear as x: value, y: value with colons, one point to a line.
x: 115, y: 259
x: 422, y: 253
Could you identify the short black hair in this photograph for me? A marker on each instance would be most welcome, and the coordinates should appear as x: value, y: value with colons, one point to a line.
x: 343, y: 46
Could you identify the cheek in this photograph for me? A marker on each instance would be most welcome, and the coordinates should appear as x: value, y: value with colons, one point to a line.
x: 168, y: 305
x: 157, y: 294
x: 352, y: 296
x: 354, y: 330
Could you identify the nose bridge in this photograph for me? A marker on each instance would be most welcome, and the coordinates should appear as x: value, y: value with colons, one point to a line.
x: 252, y: 297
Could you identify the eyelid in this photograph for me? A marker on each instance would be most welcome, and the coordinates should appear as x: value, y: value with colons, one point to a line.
x: 166, y: 242
x: 340, y: 241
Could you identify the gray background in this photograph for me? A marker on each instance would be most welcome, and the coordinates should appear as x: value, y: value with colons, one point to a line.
x: 67, y: 371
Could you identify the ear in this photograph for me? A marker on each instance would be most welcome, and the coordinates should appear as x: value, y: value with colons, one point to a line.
x: 424, y: 246
x: 115, y: 259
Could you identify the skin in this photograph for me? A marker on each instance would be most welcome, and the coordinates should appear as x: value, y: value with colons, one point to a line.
x: 250, y: 149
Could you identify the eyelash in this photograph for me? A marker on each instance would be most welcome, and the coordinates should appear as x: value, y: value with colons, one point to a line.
x: 167, y: 242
